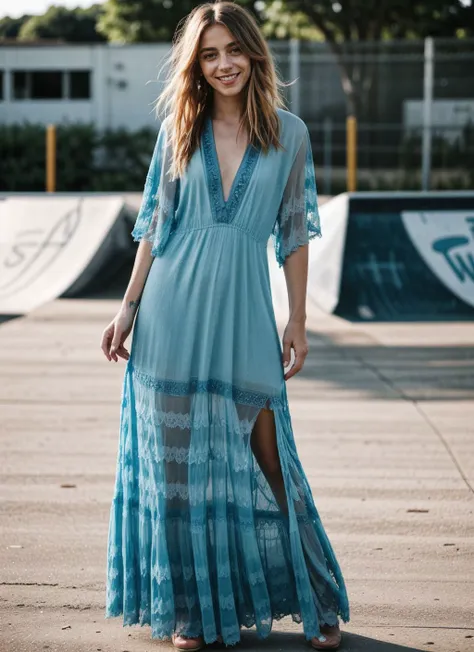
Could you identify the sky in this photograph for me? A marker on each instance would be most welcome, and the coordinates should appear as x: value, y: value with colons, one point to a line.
x: 16, y: 8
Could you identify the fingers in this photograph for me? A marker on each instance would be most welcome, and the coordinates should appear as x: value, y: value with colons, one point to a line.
x: 286, y: 355
x: 117, y: 342
x: 122, y: 352
x: 114, y: 347
x: 105, y: 342
x: 111, y: 344
x: 300, y: 357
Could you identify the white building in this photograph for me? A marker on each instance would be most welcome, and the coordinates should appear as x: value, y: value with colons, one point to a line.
x: 108, y: 85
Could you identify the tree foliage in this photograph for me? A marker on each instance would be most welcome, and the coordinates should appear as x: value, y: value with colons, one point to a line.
x: 344, y: 24
x: 62, y: 24
x: 142, y: 22
x: 340, y: 21
x: 10, y: 27
x: 145, y: 21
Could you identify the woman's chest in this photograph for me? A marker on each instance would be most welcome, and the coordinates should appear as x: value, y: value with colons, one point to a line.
x: 252, y: 199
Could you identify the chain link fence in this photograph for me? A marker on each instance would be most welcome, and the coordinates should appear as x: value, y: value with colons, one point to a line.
x: 389, y: 78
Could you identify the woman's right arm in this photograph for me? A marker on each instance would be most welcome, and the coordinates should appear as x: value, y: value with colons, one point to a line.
x: 118, y: 330
x: 151, y: 229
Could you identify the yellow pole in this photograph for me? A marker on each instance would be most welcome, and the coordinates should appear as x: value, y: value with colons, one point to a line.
x: 51, y: 158
x: 351, y: 130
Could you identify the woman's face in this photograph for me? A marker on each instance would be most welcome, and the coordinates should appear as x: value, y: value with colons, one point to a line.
x: 225, y: 67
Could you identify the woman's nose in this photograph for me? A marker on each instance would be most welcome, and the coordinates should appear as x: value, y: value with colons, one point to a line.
x: 224, y: 62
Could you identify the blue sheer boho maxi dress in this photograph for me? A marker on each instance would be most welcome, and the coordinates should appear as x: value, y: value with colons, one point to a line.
x: 197, y: 543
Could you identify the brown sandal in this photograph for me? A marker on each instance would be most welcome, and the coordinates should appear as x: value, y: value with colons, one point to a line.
x: 332, y: 638
x: 199, y: 643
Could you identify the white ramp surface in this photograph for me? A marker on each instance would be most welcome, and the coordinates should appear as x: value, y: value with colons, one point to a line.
x: 47, y: 243
x: 325, y: 260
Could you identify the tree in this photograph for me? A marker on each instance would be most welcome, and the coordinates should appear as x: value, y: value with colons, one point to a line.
x: 62, y: 24
x: 10, y: 27
x: 145, y: 21
x: 141, y: 22
x: 343, y: 24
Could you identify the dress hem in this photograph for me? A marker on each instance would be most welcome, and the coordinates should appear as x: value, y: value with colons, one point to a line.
x: 189, y: 560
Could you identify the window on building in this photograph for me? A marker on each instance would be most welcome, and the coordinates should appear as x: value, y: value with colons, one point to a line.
x: 51, y: 84
x: 46, y: 85
x: 37, y: 84
x: 79, y: 84
x: 20, y: 85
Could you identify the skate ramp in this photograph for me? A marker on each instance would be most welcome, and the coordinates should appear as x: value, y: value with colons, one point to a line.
x: 54, y: 246
x: 390, y: 257
x: 324, y: 265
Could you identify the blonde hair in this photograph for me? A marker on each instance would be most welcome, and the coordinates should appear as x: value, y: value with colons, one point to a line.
x: 188, y: 97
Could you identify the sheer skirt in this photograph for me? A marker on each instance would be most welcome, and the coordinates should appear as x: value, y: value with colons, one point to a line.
x: 197, y: 543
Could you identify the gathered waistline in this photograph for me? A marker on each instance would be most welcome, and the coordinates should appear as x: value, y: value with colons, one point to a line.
x: 184, y: 231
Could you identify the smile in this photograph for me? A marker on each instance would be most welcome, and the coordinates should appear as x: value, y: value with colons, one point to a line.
x: 229, y: 78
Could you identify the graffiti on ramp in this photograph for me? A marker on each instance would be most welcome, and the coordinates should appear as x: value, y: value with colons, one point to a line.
x: 445, y: 241
x: 47, y: 243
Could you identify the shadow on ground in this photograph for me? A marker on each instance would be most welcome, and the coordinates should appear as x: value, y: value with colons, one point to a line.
x: 354, y: 361
x: 292, y: 641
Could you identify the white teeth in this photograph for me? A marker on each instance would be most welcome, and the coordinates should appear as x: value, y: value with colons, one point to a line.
x: 229, y: 77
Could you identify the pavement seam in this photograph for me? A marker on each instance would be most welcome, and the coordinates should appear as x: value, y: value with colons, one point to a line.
x: 440, y: 436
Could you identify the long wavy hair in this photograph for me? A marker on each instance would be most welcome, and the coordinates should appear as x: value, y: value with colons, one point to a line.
x: 187, y: 96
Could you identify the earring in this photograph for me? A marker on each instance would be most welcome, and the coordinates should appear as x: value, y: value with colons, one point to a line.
x: 201, y: 85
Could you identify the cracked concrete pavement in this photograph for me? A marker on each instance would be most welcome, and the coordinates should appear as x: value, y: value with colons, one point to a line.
x: 384, y: 422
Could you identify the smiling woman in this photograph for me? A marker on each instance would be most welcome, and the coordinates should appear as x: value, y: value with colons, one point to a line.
x: 212, y: 525
x: 226, y: 66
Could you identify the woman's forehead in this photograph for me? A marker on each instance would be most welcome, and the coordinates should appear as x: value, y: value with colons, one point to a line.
x: 217, y: 37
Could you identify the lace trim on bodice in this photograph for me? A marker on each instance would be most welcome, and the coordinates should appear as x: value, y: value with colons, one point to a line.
x: 225, y: 211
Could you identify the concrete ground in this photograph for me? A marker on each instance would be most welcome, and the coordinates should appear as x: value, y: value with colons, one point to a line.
x: 384, y: 422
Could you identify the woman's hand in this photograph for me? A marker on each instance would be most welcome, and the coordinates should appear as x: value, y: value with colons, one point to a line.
x: 116, y: 333
x: 294, y: 338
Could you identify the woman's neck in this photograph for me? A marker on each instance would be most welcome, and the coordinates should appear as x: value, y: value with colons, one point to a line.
x: 227, y: 109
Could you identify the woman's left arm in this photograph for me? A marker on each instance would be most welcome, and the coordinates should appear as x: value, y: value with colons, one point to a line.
x: 297, y: 223
x: 294, y: 337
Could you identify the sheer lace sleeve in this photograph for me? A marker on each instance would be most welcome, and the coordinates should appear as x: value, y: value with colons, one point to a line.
x: 298, y: 216
x: 156, y: 218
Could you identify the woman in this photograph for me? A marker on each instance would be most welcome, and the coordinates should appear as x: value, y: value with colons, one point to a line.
x: 212, y: 524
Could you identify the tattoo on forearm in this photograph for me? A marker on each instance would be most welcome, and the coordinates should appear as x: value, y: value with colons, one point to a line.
x: 134, y: 304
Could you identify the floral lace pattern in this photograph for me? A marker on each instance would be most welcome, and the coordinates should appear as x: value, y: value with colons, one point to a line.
x: 225, y: 211
x: 197, y: 542
x: 156, y: 220
x: 298, y: 217
x: 210, y: 385
x: 185, y: 421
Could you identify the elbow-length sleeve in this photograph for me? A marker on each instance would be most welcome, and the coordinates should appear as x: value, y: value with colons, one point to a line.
x: 298, y: 220
x: 156, y: 217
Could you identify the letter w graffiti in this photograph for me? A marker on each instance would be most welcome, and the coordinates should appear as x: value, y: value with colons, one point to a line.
x: 461, y: 264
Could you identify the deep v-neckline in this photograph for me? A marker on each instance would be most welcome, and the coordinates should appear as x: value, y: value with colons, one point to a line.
x: 226, y: 210
x: 216, y: 158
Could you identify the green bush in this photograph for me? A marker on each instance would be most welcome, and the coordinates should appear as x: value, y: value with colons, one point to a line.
x: 22, y: 159
x: 117, y: 161
x: 86, y: 159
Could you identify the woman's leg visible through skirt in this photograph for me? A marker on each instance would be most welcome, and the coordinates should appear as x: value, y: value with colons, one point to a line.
x: 264, y: 446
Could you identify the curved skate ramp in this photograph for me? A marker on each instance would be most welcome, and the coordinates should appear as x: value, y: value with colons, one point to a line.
x: 55, y: 245
x: 391, y: 257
